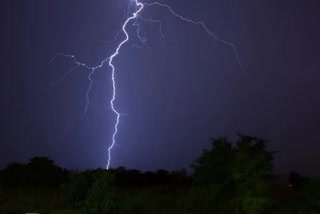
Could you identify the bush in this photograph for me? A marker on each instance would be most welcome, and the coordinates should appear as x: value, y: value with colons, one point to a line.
x: 102, y: 197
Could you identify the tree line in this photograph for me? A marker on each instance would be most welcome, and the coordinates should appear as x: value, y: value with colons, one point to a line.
x: 229, y: 177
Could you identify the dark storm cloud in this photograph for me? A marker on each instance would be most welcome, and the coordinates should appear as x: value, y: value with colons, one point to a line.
x: 175, y: 98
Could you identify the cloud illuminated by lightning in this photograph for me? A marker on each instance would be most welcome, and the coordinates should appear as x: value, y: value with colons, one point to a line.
x: 136, y: 16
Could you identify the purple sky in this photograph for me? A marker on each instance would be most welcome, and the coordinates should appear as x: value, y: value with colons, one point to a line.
x: 175, y: 97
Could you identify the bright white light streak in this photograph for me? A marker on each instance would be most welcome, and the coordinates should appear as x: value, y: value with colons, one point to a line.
x: 135, y: 15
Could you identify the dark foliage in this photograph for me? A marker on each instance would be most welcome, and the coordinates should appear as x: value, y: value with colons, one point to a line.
x: 227, y: 178
x: 297, y: 181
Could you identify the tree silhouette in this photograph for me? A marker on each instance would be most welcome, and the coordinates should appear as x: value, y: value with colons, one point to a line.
x: 212, y: 170
x: 243, y: 171
x: 214, y: 164
x: 252, y: 171
x: 42, y: 172
x: 12, y: 175
x: 296, y: 180
x: 229, y: 177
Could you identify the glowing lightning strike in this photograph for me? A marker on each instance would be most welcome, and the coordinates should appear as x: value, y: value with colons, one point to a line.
x: 140, y: 5
x: 135, y: 16
x: 203, y: 25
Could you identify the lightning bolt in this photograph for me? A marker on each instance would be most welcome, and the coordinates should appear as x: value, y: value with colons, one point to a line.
x: 136, y: 15
x: 204, y: 26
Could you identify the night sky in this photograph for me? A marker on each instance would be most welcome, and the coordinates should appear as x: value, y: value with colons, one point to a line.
x: 176, y: 93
